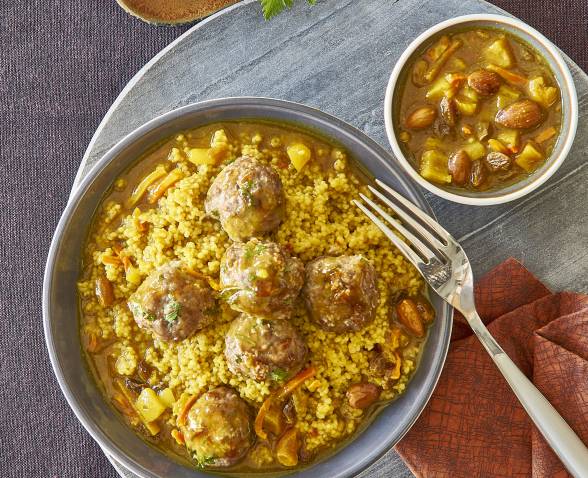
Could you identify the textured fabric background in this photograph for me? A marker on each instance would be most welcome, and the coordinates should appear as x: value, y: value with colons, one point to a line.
x: 62, y: 63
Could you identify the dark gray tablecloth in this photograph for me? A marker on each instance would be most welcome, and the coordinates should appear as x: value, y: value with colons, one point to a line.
x: 62, y: 63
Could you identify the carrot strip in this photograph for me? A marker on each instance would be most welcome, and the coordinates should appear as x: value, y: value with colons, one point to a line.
x: 295, y: 382
x: 172, y: 178
x: 439, y: 62
x: 185, y: 409
x: 281, y: 395
x: 111, y: 261
x: 126, y: 262
x: 147, y: 181
x: 509, y: 76
x: 259, y: 419
x: 178, y: 436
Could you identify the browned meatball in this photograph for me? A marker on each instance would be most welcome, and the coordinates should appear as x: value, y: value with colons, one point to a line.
x: 173, y: 302
x: 248, y: 198
x: 260, y: 278
x: 218, y: 428
x: 341, y: 293
x: 261, y: 348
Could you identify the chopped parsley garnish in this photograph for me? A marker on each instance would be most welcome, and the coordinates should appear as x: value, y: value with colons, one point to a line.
x: 238, y: 359
x: 278, y: 375
x: 139, y: 313
x: 245, y: 191
x: 204, y: 461
x: 252, y: 277
x: 252, y: 251
x: 249, y: 252
x: 172, y: 309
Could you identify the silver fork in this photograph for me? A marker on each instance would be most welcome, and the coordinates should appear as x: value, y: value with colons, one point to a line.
x: 445, y: 266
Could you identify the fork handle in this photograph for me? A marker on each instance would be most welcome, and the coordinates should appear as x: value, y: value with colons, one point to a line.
x: 558, y: 434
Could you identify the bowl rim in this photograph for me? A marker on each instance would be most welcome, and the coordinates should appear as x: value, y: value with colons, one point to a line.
x: 568, y: 87
x: 109, y: 445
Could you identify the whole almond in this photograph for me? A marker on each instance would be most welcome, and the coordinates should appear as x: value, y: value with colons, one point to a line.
x: 459, y: 166
x: 484, y: 82
x: 519, y: 115
x: 421, y: 117
x: 362, y: 395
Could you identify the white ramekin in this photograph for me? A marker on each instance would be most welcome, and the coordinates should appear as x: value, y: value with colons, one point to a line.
x: 568, y: 97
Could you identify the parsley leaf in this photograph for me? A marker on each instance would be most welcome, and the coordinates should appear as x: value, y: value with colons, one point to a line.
x: 249, y: 252
x: 139, y: 313
x: 205, y: 461
x: 172, y: 309
x: 278, y: 375
x: 246, y: 192
x: 272, y: 7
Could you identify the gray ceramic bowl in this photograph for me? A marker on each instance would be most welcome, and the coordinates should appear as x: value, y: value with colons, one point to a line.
x: 60, y: 301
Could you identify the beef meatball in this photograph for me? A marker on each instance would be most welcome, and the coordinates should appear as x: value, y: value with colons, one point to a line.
x: 260, y: 278
x: 341, y: 293
x: 259, y: 348
x: 217, y: 430
x: 248, y: 199
x: 173, y: 302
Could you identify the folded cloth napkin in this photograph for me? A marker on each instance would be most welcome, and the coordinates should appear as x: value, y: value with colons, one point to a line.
x: 474, y: 426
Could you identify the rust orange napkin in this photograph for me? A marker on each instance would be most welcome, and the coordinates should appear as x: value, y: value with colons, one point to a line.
x: 474, y: 426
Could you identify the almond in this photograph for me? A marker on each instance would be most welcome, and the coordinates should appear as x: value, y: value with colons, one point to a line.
x: 519, y: 115
x: 362, y: 395
x: 459, y: 166
x: 484, y: 82
x: 421, y: 117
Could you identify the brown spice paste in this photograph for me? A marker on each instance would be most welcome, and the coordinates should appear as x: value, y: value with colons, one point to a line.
x: 172, y: 11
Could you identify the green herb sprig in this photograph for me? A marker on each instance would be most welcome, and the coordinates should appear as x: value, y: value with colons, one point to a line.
x: 278, y: 375
x: 271, y: 8
x: 172, y: 310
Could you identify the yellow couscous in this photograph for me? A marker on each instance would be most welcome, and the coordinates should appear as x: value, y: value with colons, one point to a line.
x: 155, y: 214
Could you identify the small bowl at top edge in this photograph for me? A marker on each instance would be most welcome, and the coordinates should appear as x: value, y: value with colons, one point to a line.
x: 569, y: 109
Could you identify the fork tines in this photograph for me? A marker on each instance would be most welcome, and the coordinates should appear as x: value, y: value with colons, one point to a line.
x: 425, y: 238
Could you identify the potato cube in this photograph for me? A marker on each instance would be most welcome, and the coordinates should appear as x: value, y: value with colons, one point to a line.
x: 149, y: 405
x: 433, y: 167
x: 199, y: 156
x: 497, y: 146
x: 510, y: 138
x: 475, y: 150
x: 439, y: 89
x: 299, y: 155
x: 466, y: 107
x: 500, y: 53
x: 544, y: 95
x: 530, y: 157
